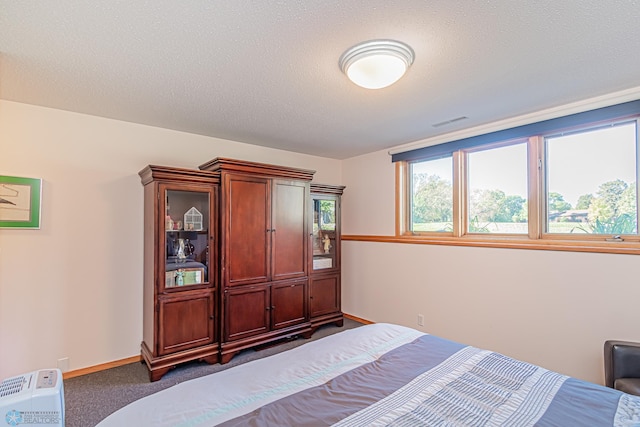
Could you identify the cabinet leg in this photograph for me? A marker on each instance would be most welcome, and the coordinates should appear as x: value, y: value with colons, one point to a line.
x: 226, y: 358
x: 211, y: 360
x: 156, y: 374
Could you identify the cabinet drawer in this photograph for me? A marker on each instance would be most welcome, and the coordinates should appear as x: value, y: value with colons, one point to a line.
x: 246, y: 311
x: 185, y: 321
x: 288, y: 303
x: 324, y: 295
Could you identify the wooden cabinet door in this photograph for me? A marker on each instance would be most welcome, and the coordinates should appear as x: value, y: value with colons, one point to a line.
x: 185, y: 320
x: 289, y: 224
x: 247, y: 229
x: 246, y: 311
x: 288, y: 303
x: 324, y: 295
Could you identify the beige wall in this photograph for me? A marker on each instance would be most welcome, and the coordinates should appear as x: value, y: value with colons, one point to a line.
x: 74, y: 288
x: 553, y: 309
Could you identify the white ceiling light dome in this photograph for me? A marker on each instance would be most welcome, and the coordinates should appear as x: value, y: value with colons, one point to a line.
x: 376, y: 63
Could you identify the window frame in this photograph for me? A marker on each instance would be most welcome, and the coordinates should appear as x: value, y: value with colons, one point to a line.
x: 464, y: 183
x: 537, y: 236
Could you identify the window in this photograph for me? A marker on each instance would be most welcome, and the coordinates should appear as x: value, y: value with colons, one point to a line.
x: 431, y: 195
x: 591, y: 181
x: 572, y: 180
x: 497, y: 190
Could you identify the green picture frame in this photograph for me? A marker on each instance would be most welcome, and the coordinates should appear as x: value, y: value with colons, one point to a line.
x: 20, y: 202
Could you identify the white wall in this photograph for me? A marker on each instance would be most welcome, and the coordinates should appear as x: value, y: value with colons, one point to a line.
x: 74, y: 287
x: 554, y: 309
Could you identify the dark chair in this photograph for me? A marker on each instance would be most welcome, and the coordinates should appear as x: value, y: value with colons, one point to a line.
x: 622, y: 366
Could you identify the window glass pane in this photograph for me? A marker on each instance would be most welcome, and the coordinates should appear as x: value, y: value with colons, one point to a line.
x: 497, y: 184
x: 432, y: 195
x: 591, y: 181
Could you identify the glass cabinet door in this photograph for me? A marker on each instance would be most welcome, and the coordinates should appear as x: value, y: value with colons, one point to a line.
x: 187, y: 238
x: 324, y: 233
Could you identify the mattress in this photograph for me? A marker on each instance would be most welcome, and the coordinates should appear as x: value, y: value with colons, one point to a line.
x: 383, y: 375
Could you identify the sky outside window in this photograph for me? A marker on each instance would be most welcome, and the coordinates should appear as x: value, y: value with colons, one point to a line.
x: 577, y: 164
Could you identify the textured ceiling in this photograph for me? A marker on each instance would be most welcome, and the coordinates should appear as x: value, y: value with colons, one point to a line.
x: 266, y: 72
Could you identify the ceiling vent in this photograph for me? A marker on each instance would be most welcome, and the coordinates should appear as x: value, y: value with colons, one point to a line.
x: 448, y: 122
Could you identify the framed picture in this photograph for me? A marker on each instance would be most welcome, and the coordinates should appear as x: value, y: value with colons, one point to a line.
x: 20, y: 200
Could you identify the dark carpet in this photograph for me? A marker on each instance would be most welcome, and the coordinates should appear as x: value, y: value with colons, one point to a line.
x: 90, y: 398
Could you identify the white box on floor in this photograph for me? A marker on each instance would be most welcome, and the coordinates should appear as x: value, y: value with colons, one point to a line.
x: 33, y: 399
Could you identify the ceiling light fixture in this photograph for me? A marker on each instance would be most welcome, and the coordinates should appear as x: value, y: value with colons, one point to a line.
x: 377, y: 63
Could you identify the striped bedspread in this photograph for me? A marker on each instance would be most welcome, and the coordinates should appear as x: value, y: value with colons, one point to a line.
x: 472, y: 387
x: 383, y: 375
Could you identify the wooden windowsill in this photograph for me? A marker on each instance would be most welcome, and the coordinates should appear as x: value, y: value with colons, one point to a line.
x: 628, y: 248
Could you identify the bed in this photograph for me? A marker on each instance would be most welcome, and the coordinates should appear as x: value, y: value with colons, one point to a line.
x: 383, y: 375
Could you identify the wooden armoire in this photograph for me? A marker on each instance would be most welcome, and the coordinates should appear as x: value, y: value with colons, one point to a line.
x: 269, y: 270
x: 264, y: 249
x: 180, y: 276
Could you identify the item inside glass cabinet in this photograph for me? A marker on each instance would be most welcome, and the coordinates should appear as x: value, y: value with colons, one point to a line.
x: 324, y: 233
